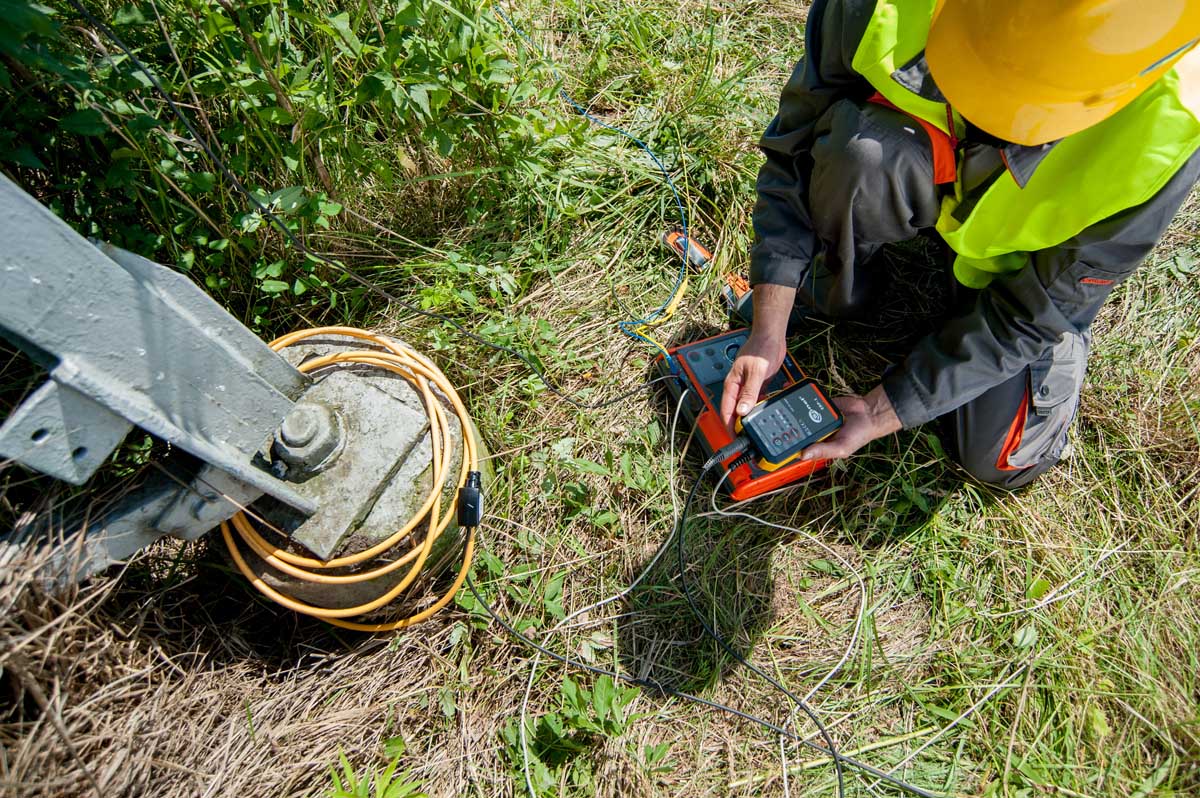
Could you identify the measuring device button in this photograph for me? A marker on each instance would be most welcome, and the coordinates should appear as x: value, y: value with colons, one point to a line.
x: 731, y: 351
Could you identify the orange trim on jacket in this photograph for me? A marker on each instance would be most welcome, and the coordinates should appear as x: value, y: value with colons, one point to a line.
x: 945, y: 161
x: 1015, y: 431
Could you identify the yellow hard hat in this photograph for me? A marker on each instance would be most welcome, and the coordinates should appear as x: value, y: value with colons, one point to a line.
x: 1032, y: 71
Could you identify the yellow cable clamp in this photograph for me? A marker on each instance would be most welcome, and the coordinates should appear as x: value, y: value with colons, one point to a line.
x: 424, y: 376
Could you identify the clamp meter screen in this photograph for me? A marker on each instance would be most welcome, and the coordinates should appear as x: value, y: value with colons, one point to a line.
x: 784, y: 425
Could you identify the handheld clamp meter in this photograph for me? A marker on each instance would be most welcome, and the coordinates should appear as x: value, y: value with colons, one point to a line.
x: 700, y: 368
x: 782, y: 426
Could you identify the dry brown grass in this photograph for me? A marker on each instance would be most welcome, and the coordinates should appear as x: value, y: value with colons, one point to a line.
x: 171, y: 677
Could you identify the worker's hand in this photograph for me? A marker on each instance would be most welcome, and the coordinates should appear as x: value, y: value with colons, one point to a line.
x: 865, y: 419
x: 757, y: 361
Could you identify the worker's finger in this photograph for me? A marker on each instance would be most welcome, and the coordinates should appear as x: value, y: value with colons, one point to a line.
x: 730, y: 393
x: 751, y: 388
x: 742, y: 388
x: 843, y: 443
x: 827, y: 450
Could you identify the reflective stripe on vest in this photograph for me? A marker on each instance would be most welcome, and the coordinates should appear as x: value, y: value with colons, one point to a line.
x: 1087, y: 177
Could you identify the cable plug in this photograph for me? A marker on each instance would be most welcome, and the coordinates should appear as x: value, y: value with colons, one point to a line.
x: 674, y: 368
x: 470, y: 501
x: 745, y: 458
x: 740, y: 444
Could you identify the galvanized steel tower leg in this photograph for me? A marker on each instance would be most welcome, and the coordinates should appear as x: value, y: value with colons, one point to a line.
x: 130, y: 342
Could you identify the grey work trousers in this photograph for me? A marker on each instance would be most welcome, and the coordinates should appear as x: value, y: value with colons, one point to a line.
x: 872, y: 184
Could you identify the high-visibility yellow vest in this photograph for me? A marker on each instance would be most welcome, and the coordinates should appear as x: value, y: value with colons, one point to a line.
x: 1087, y: 177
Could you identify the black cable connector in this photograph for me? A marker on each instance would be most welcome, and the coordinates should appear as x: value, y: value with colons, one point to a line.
x: 745, y: 458
x: 740, y: 444
x: 470, y: 501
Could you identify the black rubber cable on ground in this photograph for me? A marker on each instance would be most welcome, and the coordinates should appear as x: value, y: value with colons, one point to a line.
x: 303, y: 249
x: 801, y: 704
x: 651, y: 684
x: 830, y: 749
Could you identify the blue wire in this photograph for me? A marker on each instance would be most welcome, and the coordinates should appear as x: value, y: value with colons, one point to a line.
x: 625, y: 326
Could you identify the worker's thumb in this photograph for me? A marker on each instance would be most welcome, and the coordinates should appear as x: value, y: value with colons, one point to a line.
x: 748, y: 396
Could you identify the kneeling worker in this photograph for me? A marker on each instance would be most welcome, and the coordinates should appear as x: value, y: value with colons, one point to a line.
x: 1048, y: 143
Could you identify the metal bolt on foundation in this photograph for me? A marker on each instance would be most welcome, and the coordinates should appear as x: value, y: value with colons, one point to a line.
x: 309, y: 437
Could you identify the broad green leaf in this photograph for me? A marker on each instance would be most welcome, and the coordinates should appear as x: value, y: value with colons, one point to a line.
x: 573, y: 695
x: 603, y: 695
x: 287, y: 199
x: 407, y: 15
x: 202, y: 181
x: 446, y: 702
x: 347, y: 41
x: 1183, y: 263
x: 23, y: 156
x: 591, y: 467
x: 265, y: 270
x: 1097, y: 723
x: 128, y: 15
x: 419, y: 95
x: 554, y: 595
x: 85, y: 122
x: 1152, y: 782
x: 1037, y: 589
x: 275, y: 115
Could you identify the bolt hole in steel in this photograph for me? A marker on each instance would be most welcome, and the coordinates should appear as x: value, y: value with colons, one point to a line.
x: 39, y: 435
x: 79, y: 453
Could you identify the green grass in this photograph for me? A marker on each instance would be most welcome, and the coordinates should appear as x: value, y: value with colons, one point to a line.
x: 1038, y: 643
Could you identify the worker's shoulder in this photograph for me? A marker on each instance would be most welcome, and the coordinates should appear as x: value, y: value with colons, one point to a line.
x: 845, y: 20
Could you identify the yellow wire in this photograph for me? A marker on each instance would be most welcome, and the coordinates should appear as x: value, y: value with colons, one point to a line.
x: 424, y: 376
x: 643, y: 330
x: 673, y: 304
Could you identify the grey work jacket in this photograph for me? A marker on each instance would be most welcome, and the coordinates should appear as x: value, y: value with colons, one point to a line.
x: 1015, y: 319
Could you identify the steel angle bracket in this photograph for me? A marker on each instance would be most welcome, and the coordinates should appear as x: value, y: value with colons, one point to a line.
x: 127, y: 342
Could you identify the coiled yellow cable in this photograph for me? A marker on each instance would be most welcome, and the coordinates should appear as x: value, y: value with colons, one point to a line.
x: 421, y: 373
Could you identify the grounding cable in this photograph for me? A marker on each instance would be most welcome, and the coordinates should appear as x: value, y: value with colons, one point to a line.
x: 433, y: 514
